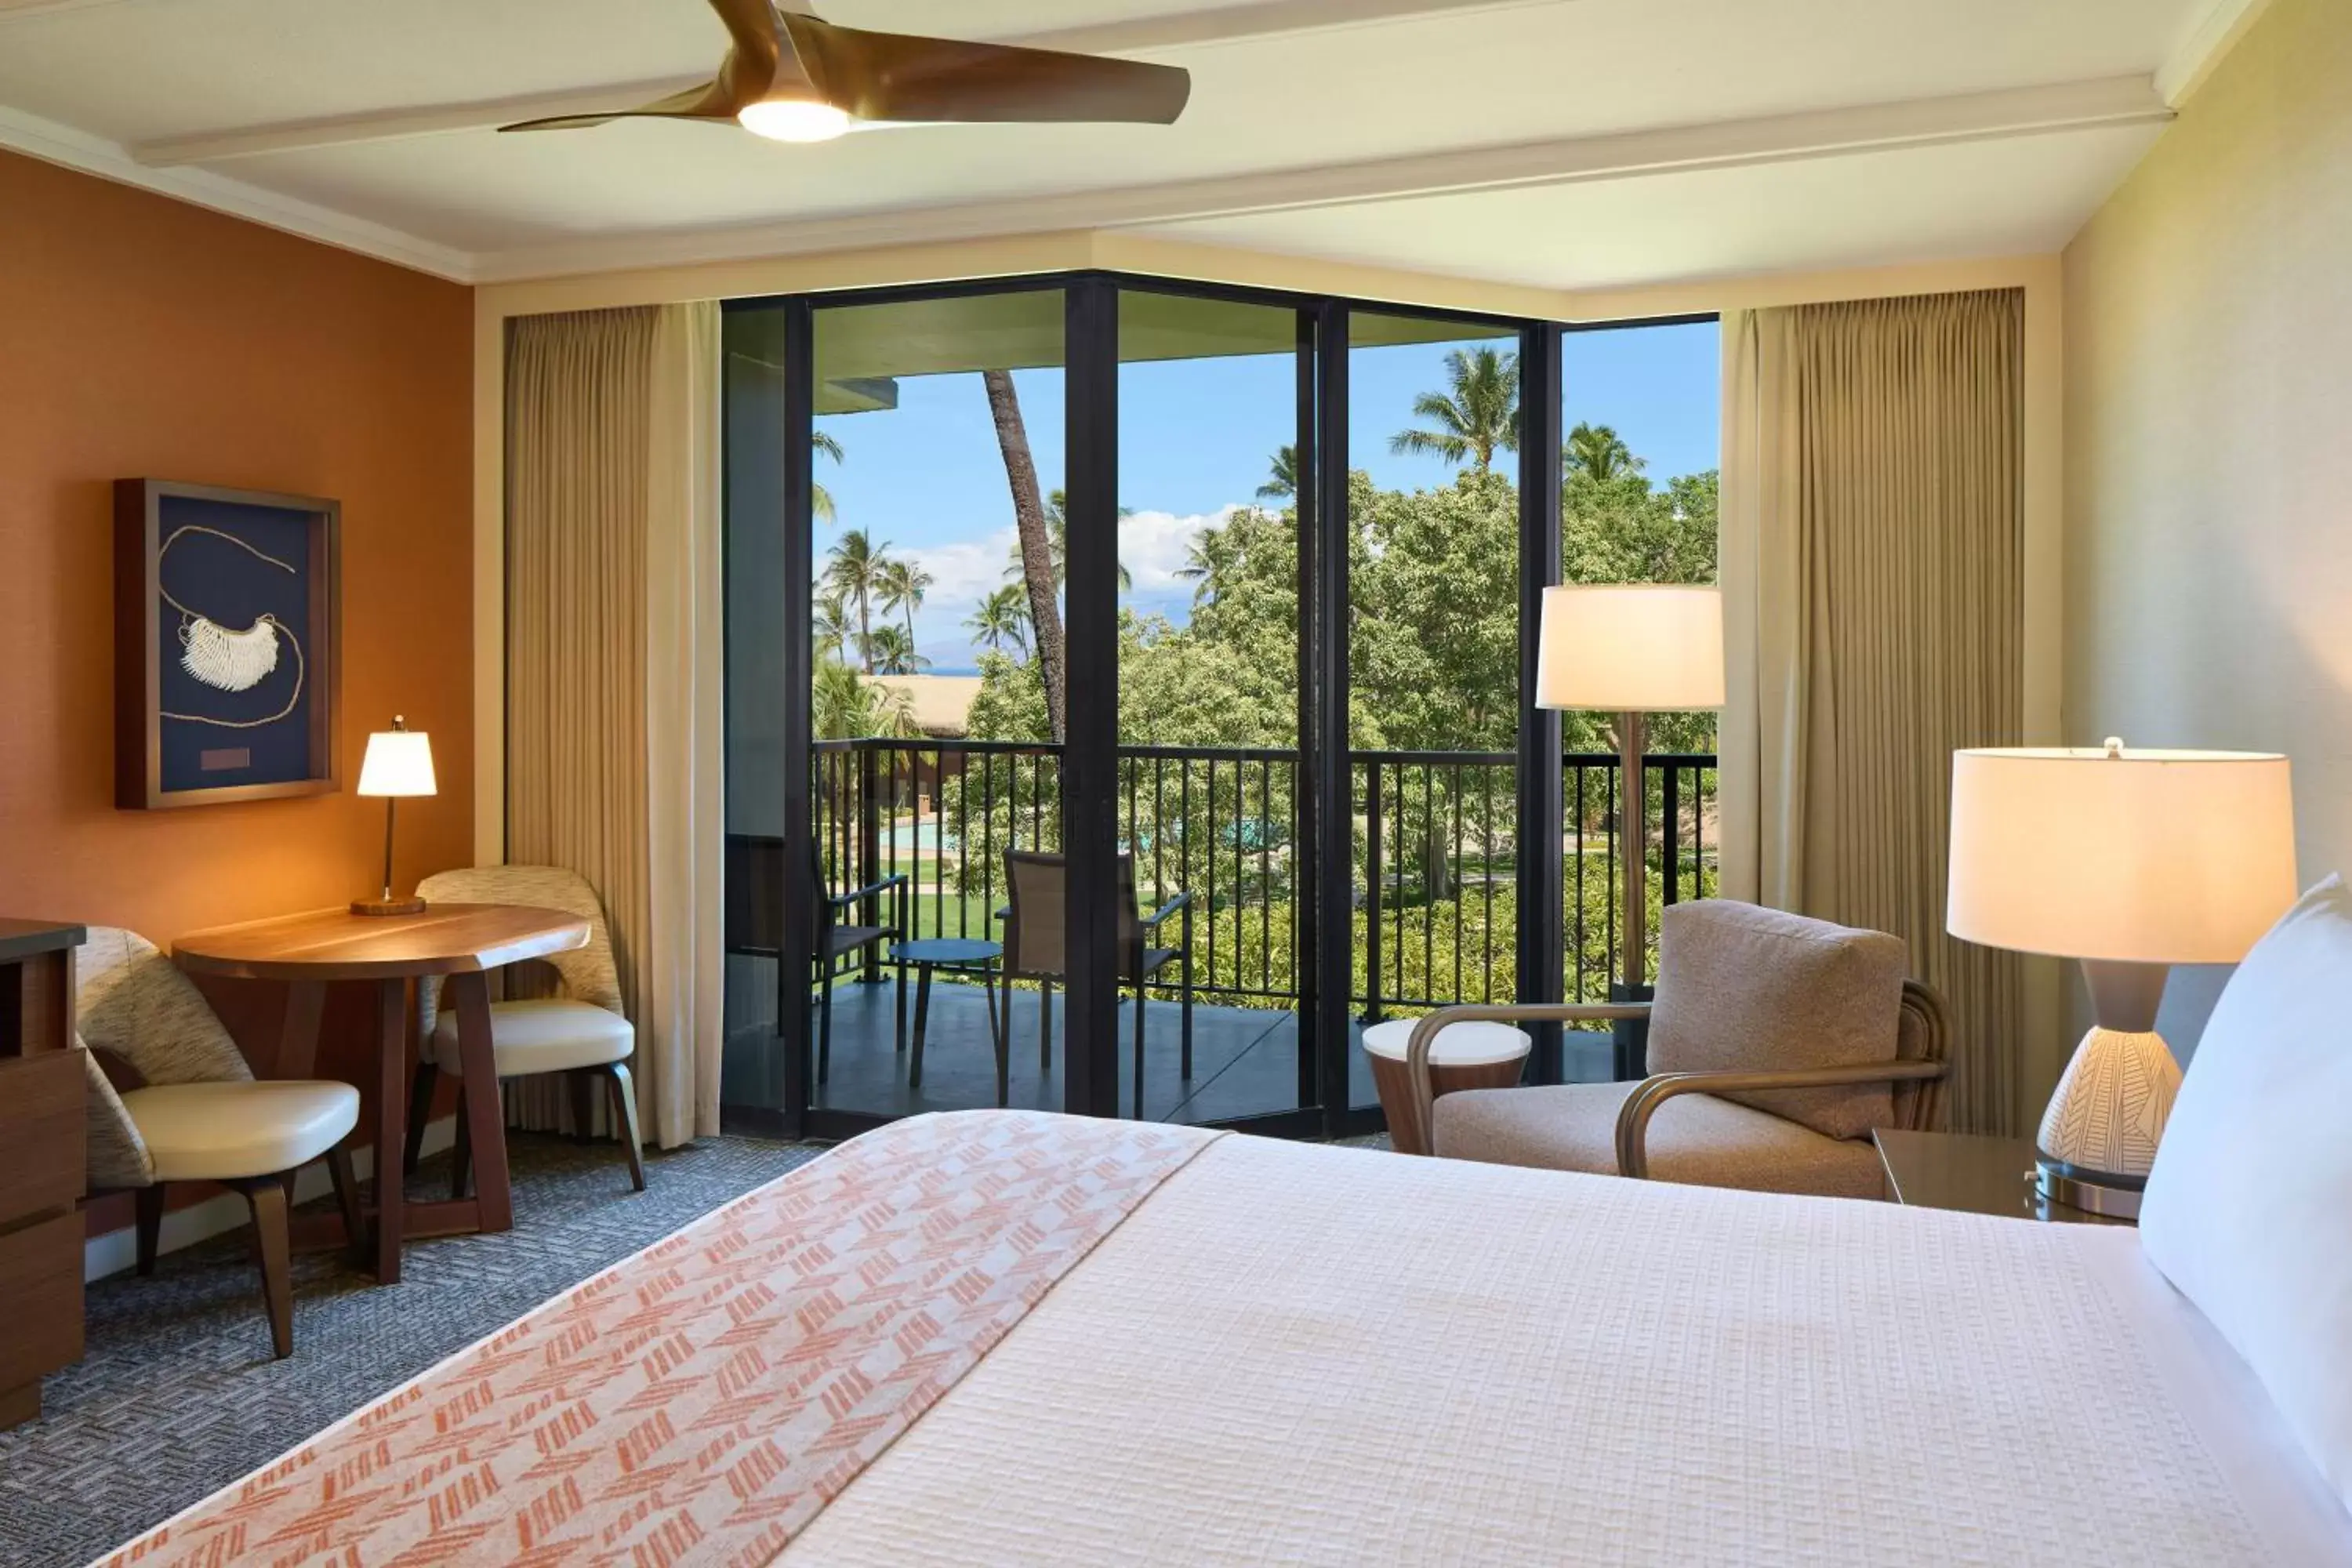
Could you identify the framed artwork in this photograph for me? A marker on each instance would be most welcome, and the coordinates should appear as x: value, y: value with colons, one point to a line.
x: 227, y: 614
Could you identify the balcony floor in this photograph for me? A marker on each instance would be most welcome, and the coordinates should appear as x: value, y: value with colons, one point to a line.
x: 1245, y: 1060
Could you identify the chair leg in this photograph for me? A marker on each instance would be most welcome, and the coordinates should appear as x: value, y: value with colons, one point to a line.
x: 898, y: 1027
x: 347, y: 1198
x: 1045, y: 1026
x: 623, y: 1087
x: 1138, y: 1050
x: 582, y: 1084
x: 461, y: 1157
x: 267, y: 1196
x: 149, y: 1205
x: 825, y: 1031
x: 997, y: 1032
x: 1185, y: 1007
x: 420, y: 1106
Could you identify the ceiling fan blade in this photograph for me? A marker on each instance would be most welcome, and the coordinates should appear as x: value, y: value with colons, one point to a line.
x: 898, y: 77
x: 705, y: 103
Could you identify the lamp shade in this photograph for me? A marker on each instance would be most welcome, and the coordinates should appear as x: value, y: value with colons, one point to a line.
x: 1631, y: 648
x: 398, y: 763
x: 2134, y: 857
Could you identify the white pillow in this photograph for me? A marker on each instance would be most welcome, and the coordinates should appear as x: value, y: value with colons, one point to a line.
x: 2249, y: 1208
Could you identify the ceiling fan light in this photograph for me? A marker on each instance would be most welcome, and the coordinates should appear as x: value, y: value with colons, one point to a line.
x: 794, y: 119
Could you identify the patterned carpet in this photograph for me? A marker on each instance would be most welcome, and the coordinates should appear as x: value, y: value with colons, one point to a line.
x: 178, y: 1395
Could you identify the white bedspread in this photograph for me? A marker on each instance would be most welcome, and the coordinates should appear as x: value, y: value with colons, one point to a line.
x: 1313, y: 1355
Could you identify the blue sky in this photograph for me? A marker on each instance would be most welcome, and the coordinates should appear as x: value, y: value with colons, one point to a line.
x: 1196, y: 439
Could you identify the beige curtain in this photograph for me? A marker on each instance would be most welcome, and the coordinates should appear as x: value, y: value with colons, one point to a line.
x: 614, y: 726
x: 1872, y: 564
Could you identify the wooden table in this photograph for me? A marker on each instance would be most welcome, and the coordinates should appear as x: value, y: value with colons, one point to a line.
x: 457, y: 943
x: 1971, y: 1173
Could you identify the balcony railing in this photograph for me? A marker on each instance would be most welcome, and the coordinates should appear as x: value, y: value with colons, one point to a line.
x: 1434, y: 870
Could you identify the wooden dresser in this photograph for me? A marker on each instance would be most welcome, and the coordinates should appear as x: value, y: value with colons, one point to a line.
x: 40, y: 1163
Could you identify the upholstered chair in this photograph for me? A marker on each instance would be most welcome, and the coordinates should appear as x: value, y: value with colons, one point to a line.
x: 198, y: 1114
x: 1777, y: 1045
x: 581, y: 1031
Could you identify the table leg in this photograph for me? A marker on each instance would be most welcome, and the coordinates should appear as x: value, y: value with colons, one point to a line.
x: 298, y: 1035
x: 922, y: 1022
x: 470, y: 994
x: 391, y: 1123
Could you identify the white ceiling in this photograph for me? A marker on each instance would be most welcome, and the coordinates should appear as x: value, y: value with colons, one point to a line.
x: 1553, y: 143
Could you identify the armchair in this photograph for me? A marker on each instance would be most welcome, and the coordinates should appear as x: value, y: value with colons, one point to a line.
x: 1783, y: 1042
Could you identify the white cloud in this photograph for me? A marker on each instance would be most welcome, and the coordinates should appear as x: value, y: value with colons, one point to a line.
x: 966, y: 572
x: 1154, y: 545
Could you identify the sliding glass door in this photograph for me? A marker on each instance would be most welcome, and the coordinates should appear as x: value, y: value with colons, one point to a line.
x: 1127, y: 692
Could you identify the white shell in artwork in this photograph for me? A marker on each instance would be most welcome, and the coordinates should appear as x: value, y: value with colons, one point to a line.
x: 227, y: 660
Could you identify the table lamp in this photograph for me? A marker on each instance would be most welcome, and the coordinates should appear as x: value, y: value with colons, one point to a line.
x: 399, y: 763
x: 2129, y: 861
x: 1631, y: 648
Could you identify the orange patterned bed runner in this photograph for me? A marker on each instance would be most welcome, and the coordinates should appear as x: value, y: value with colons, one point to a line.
x: 702, y: 1401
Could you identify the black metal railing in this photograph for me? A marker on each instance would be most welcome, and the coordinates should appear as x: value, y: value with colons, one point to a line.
x: 1434, y: 864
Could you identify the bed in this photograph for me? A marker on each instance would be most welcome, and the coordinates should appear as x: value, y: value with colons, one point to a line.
x: 1000, y: 1337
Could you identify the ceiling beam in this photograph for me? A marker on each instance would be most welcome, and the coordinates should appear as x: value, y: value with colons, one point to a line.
x: 2106, y: 103
x: 1166, y: 32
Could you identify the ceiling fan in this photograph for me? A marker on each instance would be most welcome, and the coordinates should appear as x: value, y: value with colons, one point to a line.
x: 792, y: 77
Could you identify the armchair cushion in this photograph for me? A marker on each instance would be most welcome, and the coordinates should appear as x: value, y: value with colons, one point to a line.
x: 1750, y: 988
x: 1694, y: 1138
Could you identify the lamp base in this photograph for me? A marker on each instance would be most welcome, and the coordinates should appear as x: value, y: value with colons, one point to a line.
x: 387, y: 906
x: 2098, y: 1139
x: 2093, y: 1192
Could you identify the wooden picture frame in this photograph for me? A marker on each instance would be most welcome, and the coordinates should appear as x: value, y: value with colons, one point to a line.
x: 151, y: 771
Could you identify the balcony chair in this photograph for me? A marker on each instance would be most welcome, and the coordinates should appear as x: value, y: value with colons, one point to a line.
x: 199, y: 1114
x: 1777, y: 1043
x: 581, y: 1031
x: 1036, y: 888
x: 755, y: 924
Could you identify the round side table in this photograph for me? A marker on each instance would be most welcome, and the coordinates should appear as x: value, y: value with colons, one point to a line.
x: 1466, y: 1056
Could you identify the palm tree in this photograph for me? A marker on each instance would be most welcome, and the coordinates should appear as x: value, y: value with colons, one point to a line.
x: 1283, y: 481
x: 1002, y: 617
x: 844, y: 707
x: 900, y: 587
x: 1475, y: 418
x: 1597, y: 452
x: 1036, y: 546
x: 894, y: 652
x: 829, y: 625
x: 820, y: 498
x: 854, y: 574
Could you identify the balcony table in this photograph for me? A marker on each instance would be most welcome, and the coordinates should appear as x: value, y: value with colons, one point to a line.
x: 457, y: 943
x: 968, y: 954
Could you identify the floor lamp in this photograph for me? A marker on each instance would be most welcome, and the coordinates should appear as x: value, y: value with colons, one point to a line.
x: 1631, y: 649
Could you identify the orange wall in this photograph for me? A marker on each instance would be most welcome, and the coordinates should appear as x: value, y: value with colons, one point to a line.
x: 142, y: 337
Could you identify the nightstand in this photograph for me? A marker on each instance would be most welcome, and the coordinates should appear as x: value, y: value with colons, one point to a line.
x: 1971, y: 1173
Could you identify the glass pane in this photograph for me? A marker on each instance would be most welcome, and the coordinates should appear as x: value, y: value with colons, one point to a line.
x: 1433, y: 640
x: 751, y: 1080
x: 1640, y: 409
x: 1209, y: 773
x: 938, y: 437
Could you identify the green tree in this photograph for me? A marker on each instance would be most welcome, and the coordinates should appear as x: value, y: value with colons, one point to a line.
x: 900, y: 585
x: 894, y: 652
x: 845, y: 706
x: 1282, y: 482
x: 853, y: 574
x: 829, y: 626
x: 820, y: 498
x: 1036, y: 552
x: 1596, y: 453
x: 1477, y: 416
x: 1002, y: 620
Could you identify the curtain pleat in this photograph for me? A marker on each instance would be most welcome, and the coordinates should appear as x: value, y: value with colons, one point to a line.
x: 613, y: 722
x: 1875, y: 522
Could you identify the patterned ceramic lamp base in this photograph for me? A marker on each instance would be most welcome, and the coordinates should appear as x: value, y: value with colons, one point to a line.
x: 2098, y: 1139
